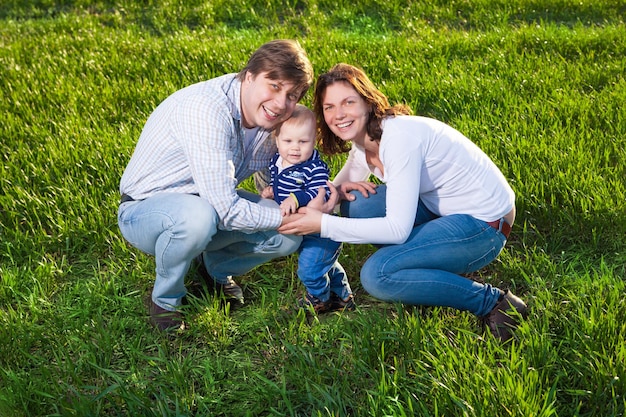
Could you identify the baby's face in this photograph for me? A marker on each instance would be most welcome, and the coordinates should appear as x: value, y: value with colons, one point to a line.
x: 296, y: 142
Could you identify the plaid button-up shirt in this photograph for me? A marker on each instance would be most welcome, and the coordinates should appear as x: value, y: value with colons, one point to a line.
x: 193, y: 143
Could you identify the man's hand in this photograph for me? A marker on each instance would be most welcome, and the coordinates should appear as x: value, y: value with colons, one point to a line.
x: 268, y: 192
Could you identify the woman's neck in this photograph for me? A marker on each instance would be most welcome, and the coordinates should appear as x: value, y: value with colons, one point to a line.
x: 365, y: 142
x: 370, y: 145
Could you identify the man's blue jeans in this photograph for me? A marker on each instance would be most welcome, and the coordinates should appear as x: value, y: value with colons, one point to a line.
x: 425, y: 269
x: 319, y: 270
x: 176, y: 228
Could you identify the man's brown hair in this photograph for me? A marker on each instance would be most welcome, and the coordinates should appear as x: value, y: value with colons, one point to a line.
x: 281, y: 59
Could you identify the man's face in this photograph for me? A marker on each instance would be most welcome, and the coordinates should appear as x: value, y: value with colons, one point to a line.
x: 265, y: 102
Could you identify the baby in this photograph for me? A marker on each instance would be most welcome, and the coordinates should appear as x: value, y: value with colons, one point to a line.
x: 297, y: 173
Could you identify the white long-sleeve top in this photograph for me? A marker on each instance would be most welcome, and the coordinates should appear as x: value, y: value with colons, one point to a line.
x: 422, y: 158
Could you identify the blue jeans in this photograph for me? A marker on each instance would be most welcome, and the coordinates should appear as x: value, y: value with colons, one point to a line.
x: 176, y: 228
x: 319, y: 270
x: 425, y: 269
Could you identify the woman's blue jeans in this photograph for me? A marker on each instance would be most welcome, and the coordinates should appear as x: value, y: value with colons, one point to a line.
x: 425, y: 269
x: 176, y: 228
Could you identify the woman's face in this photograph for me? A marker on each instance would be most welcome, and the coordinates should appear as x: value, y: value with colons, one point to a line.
x: 345, y: 112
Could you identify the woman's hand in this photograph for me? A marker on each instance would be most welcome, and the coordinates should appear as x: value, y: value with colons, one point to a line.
x: 309, y: 219
x: 306, y: 221
x: 319, y: 202
x: 366, y: 188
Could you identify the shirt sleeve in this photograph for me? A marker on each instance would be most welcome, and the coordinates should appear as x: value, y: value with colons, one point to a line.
x: 316, y: 177
x: 210, y: 138
x: 402, y: 176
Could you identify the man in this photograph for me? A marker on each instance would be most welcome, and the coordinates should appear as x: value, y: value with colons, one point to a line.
x: 179, y: 191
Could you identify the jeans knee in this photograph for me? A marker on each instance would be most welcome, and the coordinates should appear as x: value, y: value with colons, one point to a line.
x: 364, y: 207
x: 371, y: 280
x: 196, y: 227
x: 283, y: 245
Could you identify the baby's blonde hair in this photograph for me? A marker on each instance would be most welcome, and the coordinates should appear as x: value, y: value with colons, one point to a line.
x: 300, y: 116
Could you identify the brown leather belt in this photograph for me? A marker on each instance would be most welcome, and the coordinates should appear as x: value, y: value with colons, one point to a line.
x: 126, y: 198
x: 502, y: 226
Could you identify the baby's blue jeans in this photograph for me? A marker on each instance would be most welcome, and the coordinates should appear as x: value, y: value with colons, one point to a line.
x: 319, y: 270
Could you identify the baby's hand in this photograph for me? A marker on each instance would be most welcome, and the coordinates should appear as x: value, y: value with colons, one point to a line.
x: 288, y: 206
x: 268, y: 192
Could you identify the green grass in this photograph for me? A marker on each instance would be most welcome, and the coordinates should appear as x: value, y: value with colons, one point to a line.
x: 539, y: 85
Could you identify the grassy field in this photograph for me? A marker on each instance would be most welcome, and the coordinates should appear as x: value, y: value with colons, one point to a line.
x: 539, y: 85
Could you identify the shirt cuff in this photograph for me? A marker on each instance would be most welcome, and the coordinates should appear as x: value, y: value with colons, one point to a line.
x: 324, y: 225
x: 276, y: 219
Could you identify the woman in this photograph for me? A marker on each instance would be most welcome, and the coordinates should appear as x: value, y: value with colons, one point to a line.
x: 444, y: 209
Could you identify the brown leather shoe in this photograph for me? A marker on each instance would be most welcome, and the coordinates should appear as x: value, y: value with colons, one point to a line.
x: 334, y: 303
x: 165, y: 320
x: 231, y: 290
x: 310, y: 302
x: 503, y: 319
x: 337, y: 303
